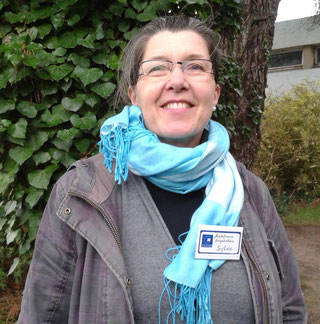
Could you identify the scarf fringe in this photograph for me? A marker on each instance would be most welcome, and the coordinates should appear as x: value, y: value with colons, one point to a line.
x: 115, y: 146
x: 193, y: 304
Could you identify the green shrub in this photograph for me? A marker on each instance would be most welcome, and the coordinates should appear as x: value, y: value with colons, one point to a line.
x: 289, y: 156
x: 58, y: 69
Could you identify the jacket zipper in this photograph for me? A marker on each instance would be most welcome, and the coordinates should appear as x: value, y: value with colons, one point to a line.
x: 101, y: 211
x: 260, y: 277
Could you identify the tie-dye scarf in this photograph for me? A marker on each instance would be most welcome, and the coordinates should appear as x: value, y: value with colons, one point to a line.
x: 125, y: 141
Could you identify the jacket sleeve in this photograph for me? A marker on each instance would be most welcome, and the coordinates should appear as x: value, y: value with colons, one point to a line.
x: 46, y: 296
x: 293, y: 305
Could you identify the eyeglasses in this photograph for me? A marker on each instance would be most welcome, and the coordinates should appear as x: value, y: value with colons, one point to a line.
x: 194, y: 68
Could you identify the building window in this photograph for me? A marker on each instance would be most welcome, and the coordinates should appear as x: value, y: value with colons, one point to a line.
x: 318, y: 55
x: 286, y: 59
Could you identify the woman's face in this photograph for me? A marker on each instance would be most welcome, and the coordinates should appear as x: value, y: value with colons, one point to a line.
x: 176, y: 108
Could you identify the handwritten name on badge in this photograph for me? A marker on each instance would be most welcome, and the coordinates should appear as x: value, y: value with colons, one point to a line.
x: 218, y: 242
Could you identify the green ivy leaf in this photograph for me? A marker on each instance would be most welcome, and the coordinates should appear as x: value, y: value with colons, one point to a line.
x: 72, y: 20
x: 138, y: 4
x: 31, y: 61
x: 32, y: 32
x: 87, y: 122
x: 5, y: 180
x: 57, y: 20
x: 10, y: 206
x: 117, y: 9
x: 44, y: 30
x: 10, y: 166
x: 49, y: 88
x: 129, y: 13
x: 109, y: 34
x: 6, y: 105
x: 58, y: 72
x: 13, y: 265
x: 79, y: 60
x: 92, y: 99
x: 41, y: 13
x: 60, y: 51
x: 18, y: 129
x: 100, y: 59
x: 82, y: 145
x: 40, y: 178
x: 19, y: 141
x: 13, y: 74
x: 113, y: 43
x: 70, y: 39
x: 65, y: 86
x: 88, y: 42
x: 4, y: 29
x: 3, y: 81
x: 33, y: 196
x: 149, y: 13
x: 73, y: 104
x: 104, y: 90
x: 43, y: 75
x: 11, y: 235
x: 99, y: 31
x: 37, y: 140
x: 64, y: 4
x: 33, y: 225
x: 67, y: 134
x: 4, y: 124
x: 27, y: 109
x: 64, y: 157
x: 124, y: 26
x: 52, y: 42
x: 113, y: 62
x: 20, y: 154
x: 58, y: 116
x: 41, y: 157
x: 62, y: 145
x: 14, y: 18
x: 87, y: 76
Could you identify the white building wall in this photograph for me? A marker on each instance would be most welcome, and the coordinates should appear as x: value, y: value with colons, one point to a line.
x: 279, y: 82
x: 289, y: 36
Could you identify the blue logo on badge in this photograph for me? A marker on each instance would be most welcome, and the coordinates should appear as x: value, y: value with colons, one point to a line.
x: 207, y: 240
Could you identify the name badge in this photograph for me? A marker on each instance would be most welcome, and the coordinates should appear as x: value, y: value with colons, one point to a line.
x: 218, y: 242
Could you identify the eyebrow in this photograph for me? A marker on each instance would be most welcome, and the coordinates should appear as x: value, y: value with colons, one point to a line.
x: 189, y: 57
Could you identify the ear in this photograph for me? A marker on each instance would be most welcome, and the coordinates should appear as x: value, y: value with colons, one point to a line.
x: 216, y: 95
x: 132, y: 95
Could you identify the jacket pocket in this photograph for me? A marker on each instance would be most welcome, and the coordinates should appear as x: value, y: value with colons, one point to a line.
x: 276, y: 258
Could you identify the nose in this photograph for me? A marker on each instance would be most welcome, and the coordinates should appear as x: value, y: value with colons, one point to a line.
x: 177, y: 80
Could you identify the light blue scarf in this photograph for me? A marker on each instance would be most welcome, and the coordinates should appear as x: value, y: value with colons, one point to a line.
x: 125, y: 140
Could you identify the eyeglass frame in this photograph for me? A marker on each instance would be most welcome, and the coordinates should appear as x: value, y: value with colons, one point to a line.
x: 177, y: 62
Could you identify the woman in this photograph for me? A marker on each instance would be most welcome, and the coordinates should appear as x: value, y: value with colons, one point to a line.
x: 105, y: 247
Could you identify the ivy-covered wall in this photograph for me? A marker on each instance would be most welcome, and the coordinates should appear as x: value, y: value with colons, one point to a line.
x: 58, y: 67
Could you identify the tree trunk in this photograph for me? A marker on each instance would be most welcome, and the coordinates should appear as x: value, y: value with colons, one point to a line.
x: 251, y: 49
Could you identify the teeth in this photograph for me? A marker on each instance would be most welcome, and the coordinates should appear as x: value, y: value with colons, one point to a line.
x: 177, y: 105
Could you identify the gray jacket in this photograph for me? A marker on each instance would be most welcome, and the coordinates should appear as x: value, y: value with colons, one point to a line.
x: 78, y: 275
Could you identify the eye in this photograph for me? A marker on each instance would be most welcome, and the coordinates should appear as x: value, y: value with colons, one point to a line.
x: 157, y: 69
x: 195, y: 66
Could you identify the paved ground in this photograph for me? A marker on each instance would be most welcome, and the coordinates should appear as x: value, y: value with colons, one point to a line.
x: 306, y: 244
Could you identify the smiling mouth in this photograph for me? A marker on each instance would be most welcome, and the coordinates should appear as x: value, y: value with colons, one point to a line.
x: 177, y: 105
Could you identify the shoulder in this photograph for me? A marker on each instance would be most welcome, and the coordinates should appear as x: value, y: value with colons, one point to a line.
x: 252, y: 183
x: 256, y: 192
x: 88, y: 176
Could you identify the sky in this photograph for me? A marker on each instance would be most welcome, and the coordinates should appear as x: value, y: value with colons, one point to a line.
x: 293, y: 9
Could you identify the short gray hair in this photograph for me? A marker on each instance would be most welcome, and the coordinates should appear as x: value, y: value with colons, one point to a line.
x: 128, y: 71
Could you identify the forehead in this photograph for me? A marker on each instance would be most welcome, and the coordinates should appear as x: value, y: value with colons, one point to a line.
x: 179, y: 45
